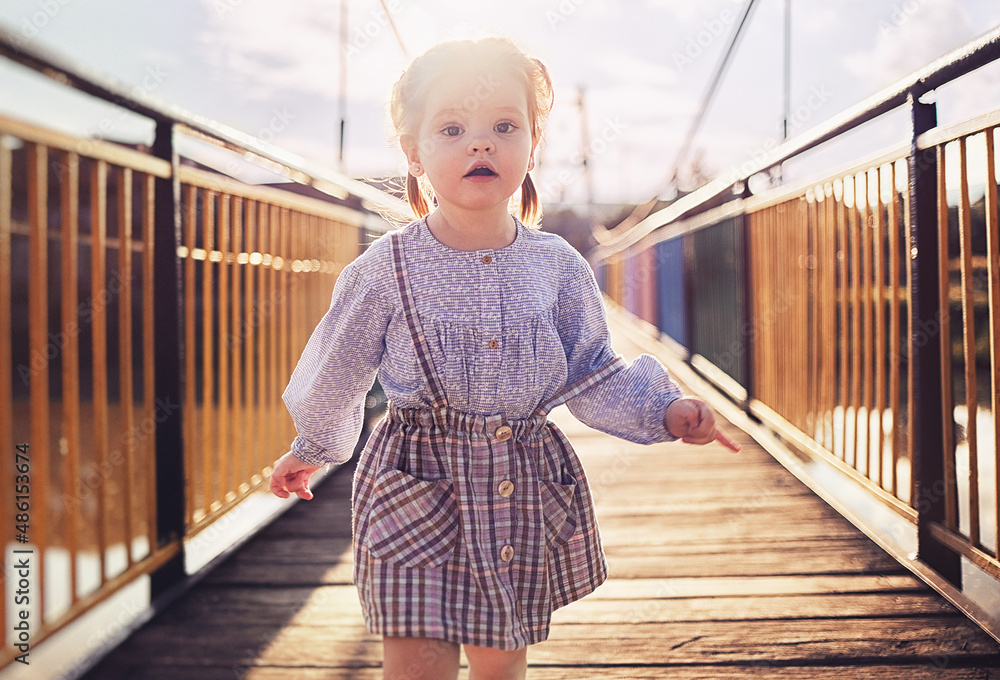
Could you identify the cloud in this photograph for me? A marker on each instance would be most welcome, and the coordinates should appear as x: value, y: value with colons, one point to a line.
x: 263, y: 47
x: 909, y: 35
x: 632, y: 68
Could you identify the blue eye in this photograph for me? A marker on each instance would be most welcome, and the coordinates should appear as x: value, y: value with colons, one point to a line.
x: 451, y: 131
x: 505, y: 127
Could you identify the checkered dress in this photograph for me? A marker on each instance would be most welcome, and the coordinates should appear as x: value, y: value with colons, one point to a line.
x: 472, y: 521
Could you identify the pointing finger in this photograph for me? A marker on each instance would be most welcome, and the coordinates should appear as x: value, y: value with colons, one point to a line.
x: 726, y: 441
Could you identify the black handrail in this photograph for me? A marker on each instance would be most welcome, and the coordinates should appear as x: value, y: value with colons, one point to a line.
x: 953, y: 65
x: 111, y: 90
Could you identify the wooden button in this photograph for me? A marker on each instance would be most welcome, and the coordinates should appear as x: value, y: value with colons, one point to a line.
x: 487, y: 259
x: 504, y: 433
x: 506, y: 488
x: 494, y: 344
x: 507, y: 553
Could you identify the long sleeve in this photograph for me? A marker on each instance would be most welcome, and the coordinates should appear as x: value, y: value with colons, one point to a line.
x: 631, y: 403
x: 325, y: 395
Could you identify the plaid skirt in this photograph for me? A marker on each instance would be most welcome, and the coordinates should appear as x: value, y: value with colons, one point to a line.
x: 471, y: 529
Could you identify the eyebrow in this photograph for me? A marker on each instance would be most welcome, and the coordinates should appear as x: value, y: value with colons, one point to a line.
x: 445, y: 113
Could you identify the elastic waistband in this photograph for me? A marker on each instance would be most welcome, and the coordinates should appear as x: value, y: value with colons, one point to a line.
x: 449, y: 419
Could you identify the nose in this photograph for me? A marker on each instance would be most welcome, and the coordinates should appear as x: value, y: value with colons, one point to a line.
x: 481, y: 145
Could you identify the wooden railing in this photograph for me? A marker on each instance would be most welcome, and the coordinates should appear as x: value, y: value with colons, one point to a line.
x: 969, y: 272
x: 259, y: 266
x: 152, y: 314
x: 858, y: 316
x: 79, y: 400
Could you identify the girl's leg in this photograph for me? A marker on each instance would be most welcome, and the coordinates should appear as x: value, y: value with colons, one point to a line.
x: 486, y: 663
x: 419, y: 659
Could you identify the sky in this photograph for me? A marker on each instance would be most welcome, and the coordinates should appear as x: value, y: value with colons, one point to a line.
x: 272, y: 69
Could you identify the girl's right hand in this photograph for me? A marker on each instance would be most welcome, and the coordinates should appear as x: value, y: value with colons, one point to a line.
x: 290, y: 476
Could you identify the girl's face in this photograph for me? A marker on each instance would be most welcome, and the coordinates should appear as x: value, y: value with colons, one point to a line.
x: 474, y: 142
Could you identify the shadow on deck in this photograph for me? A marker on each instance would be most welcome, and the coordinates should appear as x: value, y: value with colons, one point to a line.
x: 722, y: 566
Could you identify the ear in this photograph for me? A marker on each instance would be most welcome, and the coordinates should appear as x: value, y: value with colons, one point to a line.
x: 531, y: 157
x: 412, y: 150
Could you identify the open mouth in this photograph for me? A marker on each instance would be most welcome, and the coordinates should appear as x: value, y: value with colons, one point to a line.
x: 481, y: 171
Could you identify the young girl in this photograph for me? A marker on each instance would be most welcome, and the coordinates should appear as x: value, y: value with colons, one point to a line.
x: 472, y: 516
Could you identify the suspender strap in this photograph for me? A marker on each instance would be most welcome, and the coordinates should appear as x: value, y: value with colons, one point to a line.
x: 413, y: 322
x: 583, y: 384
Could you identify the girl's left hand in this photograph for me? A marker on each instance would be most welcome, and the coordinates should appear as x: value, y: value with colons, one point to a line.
x: 692, y: 421
x: 291, y: 475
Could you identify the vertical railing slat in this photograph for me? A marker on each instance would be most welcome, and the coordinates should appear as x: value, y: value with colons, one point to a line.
x: 190, y: 356
x: 252, y: 417
x: 866, y: 218
x: 222, y: 418
x: 263, y: 350
x: 969, y: 337
x: 843, y: 290
x: 879, y: 353
x: 70, y: 207
x: 993, y: 250
x: 235, y: 345
x: 149, y: 419
x: 6, y: 350
x: 126, y: 378
x: 38, y: 182
x: 947, y: 400
x: 99, y: 330
x: 830, y: 315
x: 207, y: 418
x: 814, y: 254
x: 857, y: 231
x: 892, y: 227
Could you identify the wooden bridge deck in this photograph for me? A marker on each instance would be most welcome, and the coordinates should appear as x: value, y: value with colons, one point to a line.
x: 722, y: 566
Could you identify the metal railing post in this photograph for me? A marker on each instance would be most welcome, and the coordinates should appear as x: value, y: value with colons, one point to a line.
x: 748, y: 328
x: 168, y: 332
x: 925, y: 347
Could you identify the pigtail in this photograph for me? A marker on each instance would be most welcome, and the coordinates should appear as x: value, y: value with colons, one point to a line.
x: 531, y: 208
x: 415, y: 197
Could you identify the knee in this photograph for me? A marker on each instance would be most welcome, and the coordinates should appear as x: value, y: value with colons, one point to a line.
x: 496, y: 664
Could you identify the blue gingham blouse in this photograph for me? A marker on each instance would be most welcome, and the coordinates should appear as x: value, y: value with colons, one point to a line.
x: 507, y: 329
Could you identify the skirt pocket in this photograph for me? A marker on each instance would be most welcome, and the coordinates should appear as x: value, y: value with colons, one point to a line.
x: 557, y: 511
x: 413, y: 522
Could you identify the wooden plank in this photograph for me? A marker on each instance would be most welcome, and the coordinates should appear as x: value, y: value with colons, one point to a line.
x: 746, y: 592
x: 759, y: 669
x: 214, y: 181
x: 802, y: 642
x: 109, y: 152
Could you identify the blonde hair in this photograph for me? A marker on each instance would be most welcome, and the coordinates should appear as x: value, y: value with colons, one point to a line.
x: 409, y: 98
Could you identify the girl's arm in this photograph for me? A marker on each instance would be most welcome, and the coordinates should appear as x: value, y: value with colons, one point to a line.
x: 326, y: 393
x: 641, y: 403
